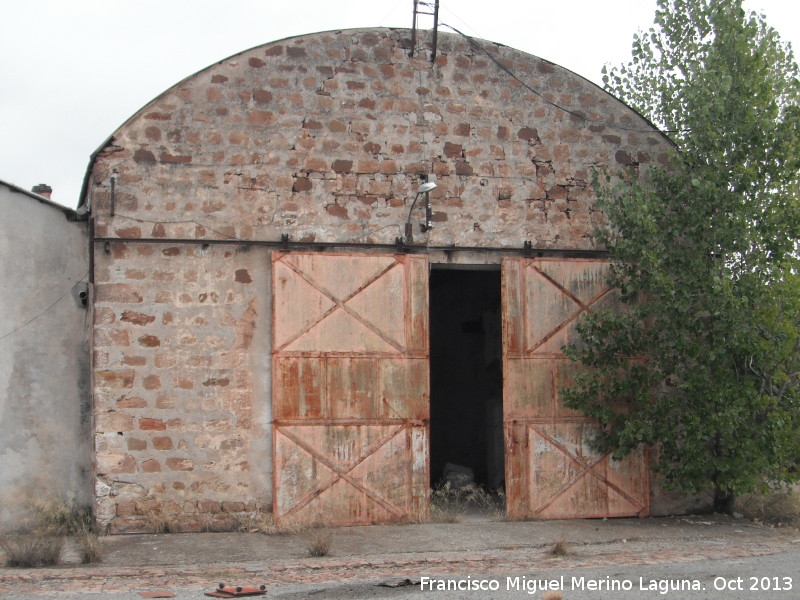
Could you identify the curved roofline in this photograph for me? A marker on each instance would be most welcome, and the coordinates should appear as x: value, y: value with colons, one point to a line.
x: 110, y: 138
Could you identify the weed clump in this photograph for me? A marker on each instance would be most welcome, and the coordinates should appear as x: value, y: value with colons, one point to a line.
x: 559, y: 549
x: 32, y: 549
x: 39, y: 541
x: 779, y: 507
x: 449, y: 503
x: 320, y: 543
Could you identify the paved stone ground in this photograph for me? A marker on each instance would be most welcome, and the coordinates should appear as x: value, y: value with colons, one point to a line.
x: 186, y: 562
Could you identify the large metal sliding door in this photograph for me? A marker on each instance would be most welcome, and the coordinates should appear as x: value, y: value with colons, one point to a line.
x: 551, y: 472
x: 350, y: 388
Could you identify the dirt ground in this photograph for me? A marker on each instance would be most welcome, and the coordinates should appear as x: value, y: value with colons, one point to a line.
x: 193, y: 563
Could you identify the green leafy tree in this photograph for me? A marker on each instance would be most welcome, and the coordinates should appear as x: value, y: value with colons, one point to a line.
x: 702, y: 361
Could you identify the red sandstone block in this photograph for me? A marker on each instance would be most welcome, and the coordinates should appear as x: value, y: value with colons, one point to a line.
x: 113, y: 421
x: 126, y: 508
x: 128, y: 232
x: 158, y: 116
x: 166, y: 157
x: 136, y: 274
x: 342, y: 166
x: 453, y: 150
x: 302, y: 184
x: 126, y: 402
x: 115, y: 379
x: 368, y: 165
x: 152, y: 424
x: 117, y: 292
x: 115, y: 463
x: 175, y: 424
x: 136, y: 445
x: 136, y: 318
x: 165, y: 361
x: 209, y: 506
x: 167, y: 402
x: 463, y: 167
x: 104, y: 315
x: 149, y: 341
x: 152, y: 382
x: 337, y: 210
x: 238, y: 138
x: 261, y: 118
x: 183, y: 383
x: 151, y: 466
x: 111, y: 337
x: 180, y: 464
x: 162, y: 443
x: 152, y: 133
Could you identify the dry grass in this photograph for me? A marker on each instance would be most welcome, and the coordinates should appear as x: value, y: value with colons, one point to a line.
x: 263, y: 522
x: 320, y: 539
x: 60, y: 515
x: 780, y: 507
x: 559, y: 549
x: 260, y: 522
x: 89, y: 548
x: 448, y: 504
x: 320, y: 543
x: 157, y: 522
x: 33, y: 549
x: 39, y: 540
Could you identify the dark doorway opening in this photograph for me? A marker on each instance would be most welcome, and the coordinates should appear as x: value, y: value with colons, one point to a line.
x: 466, y: 427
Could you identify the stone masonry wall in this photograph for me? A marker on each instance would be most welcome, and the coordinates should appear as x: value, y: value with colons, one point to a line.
x: 181, y: 372
x: 324, y: 138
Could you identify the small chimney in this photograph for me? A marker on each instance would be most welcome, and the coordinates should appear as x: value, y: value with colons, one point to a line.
x: 43, y: 190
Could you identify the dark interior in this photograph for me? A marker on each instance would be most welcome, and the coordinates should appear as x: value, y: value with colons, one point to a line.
x: 466, y: 375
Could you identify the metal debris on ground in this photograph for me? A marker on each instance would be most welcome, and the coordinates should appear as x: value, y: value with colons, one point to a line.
x: 237, y: 591
x: 158, y: 594
x: 399, y: 583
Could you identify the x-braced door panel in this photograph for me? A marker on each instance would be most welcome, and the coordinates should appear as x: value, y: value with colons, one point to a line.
x: 551, y: 471
x: 350, y: 388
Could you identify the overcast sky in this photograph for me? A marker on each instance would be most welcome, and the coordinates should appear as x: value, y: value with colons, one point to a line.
x: 72, y: 71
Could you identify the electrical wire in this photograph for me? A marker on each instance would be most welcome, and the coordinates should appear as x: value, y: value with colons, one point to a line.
x: 43, y: 312
x: 234, y: 238
x: 539, y: 94
x: 477, y: 46
x: 391, y: 10
x: 180, y: 222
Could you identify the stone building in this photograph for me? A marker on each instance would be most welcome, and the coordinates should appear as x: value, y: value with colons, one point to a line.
x: 284, y: 322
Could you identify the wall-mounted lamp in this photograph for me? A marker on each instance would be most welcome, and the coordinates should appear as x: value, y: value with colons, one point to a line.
x: 80, y: 292
x: 426, y: 189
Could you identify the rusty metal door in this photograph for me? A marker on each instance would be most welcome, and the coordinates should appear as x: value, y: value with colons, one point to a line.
x: 551, y: 471
x: 350, y: 388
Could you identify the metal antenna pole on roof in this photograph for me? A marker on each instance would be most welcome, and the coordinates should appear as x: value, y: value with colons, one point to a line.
x: 423, y: 8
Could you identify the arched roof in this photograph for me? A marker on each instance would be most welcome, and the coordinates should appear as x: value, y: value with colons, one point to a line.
x: 326, y: 137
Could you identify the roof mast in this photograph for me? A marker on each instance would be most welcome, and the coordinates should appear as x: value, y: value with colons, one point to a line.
x: 424, y: 8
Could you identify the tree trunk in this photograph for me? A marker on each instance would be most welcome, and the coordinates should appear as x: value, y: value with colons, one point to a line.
x: 723, y: 501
